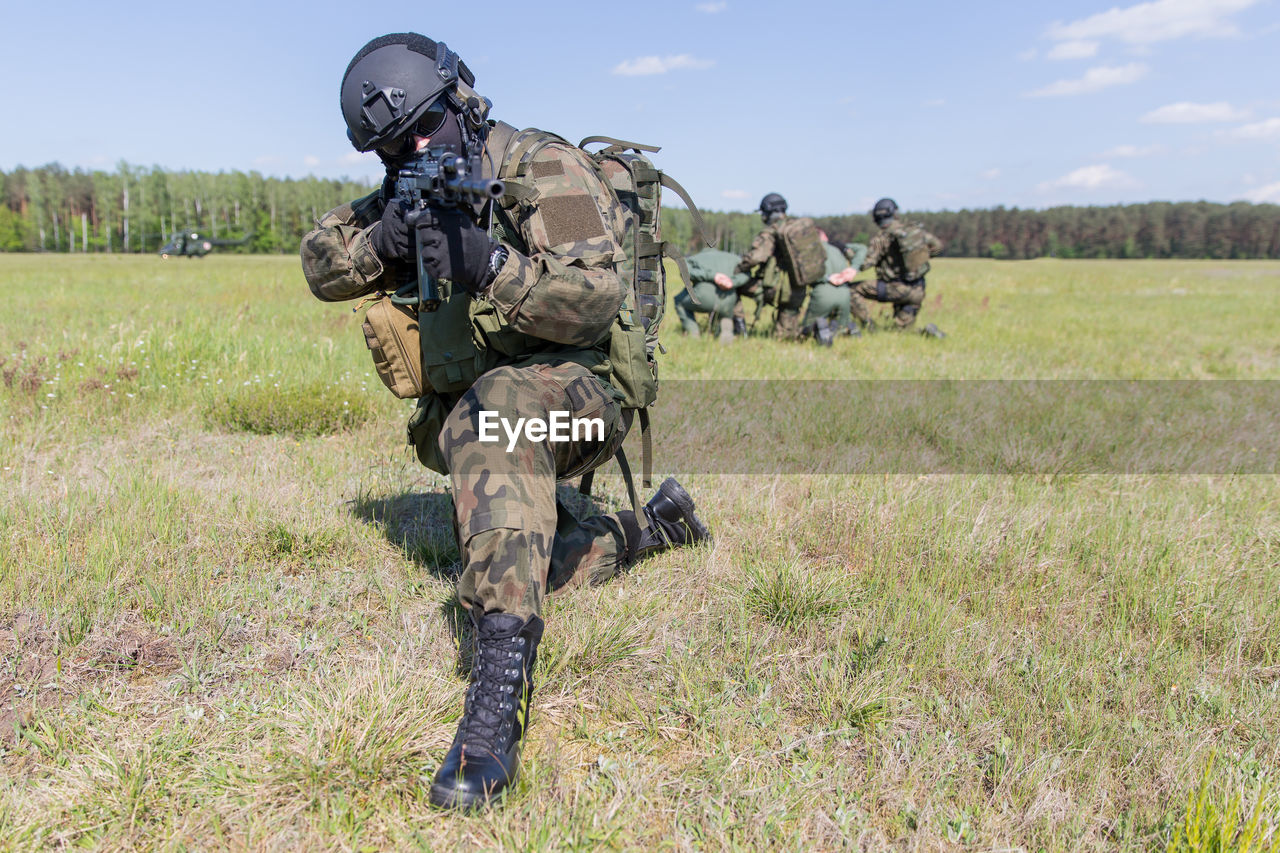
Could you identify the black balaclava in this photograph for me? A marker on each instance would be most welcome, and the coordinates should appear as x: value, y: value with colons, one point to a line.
x: 449, y: 135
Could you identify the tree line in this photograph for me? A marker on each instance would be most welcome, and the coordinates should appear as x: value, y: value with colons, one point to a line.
x: 1157, y: 229
x: 135, y: 208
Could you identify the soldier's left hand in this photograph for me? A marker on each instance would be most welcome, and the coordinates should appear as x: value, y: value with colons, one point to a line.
x: 454, y: 247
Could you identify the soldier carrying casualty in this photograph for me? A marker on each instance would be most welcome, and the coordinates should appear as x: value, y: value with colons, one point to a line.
x: 504, y: 249
x: 900, y: 253
x: 797, y: 249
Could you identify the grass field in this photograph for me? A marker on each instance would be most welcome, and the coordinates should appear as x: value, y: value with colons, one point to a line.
x: 226, y: 595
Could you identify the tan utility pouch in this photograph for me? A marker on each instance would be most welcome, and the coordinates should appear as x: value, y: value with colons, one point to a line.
x: 391, y: 333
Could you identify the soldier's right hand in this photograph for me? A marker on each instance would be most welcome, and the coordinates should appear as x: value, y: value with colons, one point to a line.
x: 392, y: 239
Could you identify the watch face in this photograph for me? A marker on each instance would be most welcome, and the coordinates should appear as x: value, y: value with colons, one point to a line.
x: 497, y: 259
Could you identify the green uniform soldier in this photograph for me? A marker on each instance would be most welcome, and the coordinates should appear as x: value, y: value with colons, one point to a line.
x: 715, y: 288
x: 828, y: 310
x: 900, y: 253
x: 530, y: 291
x: 795, y: 244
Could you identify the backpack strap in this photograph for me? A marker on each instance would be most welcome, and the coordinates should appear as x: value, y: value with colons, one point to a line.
x: 619, y: 144
x: 636, y: 506
x: 584, y: 486
x: 646, y: 451
x: 674, y: 185
x: 524, y: 146
x: 646, y: 467
x: 674, y: 254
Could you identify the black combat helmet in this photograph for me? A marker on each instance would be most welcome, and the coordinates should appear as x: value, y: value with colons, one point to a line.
x: 396, y: 82
x: 885, y: 209
x: 773, y: 203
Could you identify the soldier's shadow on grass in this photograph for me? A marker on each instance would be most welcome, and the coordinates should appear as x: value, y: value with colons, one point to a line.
x: 420, y: 524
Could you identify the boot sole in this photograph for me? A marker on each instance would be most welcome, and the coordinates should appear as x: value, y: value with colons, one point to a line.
x: 450, y: 798
x: 681, y: 498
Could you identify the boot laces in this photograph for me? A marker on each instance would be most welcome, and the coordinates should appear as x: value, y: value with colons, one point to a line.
x: 491, y: 699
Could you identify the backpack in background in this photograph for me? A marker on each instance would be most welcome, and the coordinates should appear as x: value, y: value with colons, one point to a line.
x: 913, y: 243
x: 802, y: 246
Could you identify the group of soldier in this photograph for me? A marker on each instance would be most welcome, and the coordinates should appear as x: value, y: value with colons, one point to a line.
x: 794, y: 267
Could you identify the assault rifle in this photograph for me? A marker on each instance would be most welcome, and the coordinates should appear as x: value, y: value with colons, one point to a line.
x: 437, y: 178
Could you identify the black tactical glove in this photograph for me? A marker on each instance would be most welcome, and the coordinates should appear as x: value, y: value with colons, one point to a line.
x: 392, y: 239
x: 454, y: 247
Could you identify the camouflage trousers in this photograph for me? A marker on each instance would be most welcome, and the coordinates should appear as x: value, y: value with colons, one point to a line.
x: 786, y: 326
x: 906, y: 299
x: 517, y: 542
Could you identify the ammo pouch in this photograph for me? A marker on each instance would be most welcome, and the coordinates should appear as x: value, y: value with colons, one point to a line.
x: 391, y: 333
x: 394, y: 330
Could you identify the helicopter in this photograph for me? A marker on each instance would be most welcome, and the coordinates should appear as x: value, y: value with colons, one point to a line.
x: 193, y: 244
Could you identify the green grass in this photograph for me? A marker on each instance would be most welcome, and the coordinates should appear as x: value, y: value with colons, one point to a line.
x: 227, y: 620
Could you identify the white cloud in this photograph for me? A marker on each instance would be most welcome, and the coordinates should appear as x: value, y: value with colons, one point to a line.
x: 1094, y: 80
x: 1101, y: 176
x: 712, y: 8
x: 1156, y: 21
x: 1027, y: 55
x: 358, y: 157
x: 1134, y: 151
x: 733, y: 194
x: 1185, y: 112
x: 311, y: 161
x: 1268, y: 194
x: 645, y: 65
x: 1073, y: 50
x: 989, y: 174
x: 1268, y: 129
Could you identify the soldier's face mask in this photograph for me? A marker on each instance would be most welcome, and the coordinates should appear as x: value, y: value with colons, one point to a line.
x: 428, y: 124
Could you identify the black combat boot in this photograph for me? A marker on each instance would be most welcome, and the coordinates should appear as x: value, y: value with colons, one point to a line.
x: 485, y: 756
x: 855, y: 331
x: 822, y: 330
x: 670, y: 523
x: 740, y: 327
x: 932, y: 331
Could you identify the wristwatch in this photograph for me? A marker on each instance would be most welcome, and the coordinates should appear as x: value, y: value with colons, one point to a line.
x: 497, y: 258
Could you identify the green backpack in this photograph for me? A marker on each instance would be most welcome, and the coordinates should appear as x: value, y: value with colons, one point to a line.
x: 913, y: 243
x: 802, y: 246
x: 633, y: 339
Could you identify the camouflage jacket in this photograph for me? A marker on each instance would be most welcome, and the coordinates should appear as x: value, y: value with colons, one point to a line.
x: 559, y: 291
x: 883, y: 253
x: 762, y: 247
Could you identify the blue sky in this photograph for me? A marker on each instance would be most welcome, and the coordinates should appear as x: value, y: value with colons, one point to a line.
x: 941, y: 105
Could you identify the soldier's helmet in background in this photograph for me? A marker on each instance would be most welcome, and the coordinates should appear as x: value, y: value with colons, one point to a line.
x: 773, y: 203
x: 884, y: 210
